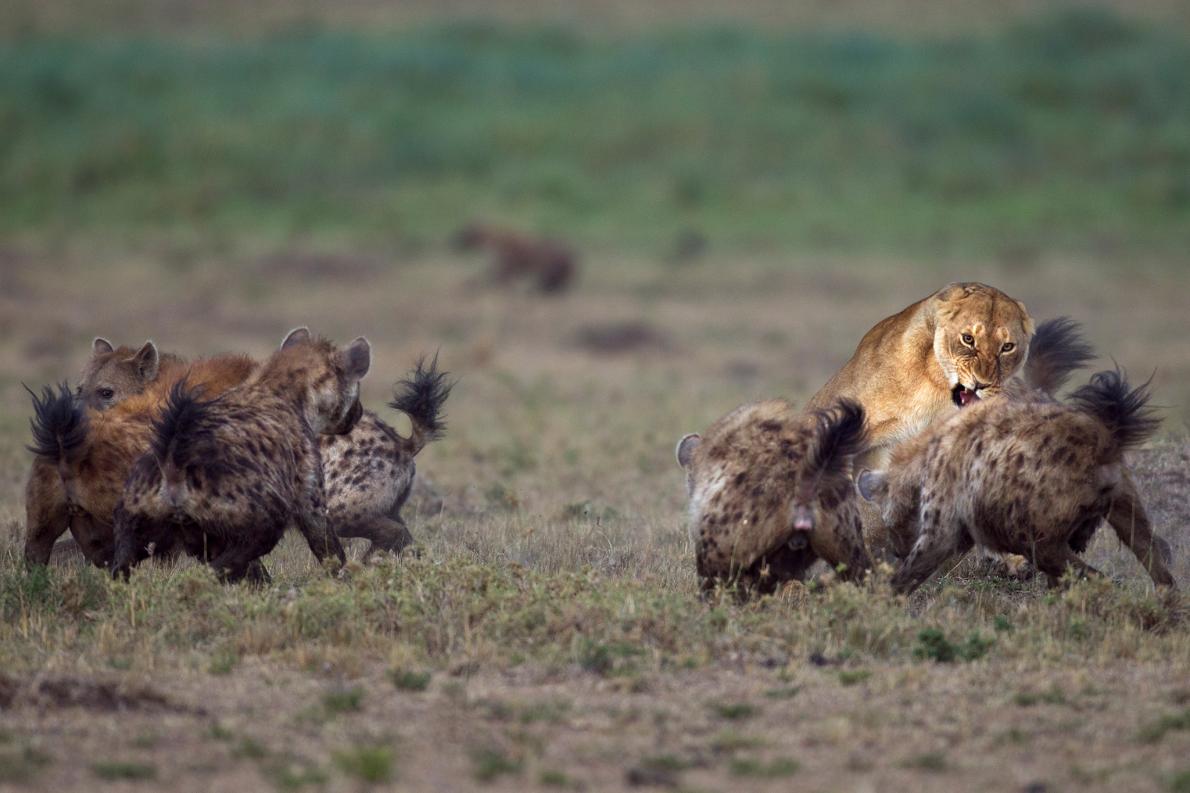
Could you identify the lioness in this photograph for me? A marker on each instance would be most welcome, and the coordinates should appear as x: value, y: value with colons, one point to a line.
x: 940, y: 353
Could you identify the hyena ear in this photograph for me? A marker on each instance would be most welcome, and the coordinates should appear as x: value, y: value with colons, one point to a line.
x: 101, y: 346
x: 147, y: 361
x: 686, y: 447
x: 296, y: 336
x: 872, y: 484
x: 358, y: 357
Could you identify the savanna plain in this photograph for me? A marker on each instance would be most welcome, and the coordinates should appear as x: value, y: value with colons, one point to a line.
x: 548, y: 632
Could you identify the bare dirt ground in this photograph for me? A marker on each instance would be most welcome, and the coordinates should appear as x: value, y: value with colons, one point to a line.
x: 550, y: 634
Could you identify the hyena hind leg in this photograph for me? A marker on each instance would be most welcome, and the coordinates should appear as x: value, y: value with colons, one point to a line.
x: 1131, y: 524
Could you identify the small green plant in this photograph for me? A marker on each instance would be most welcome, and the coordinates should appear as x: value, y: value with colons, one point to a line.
x: 730, y: 741
x: 490, y: 763
x: 850, y: 677
x: 930, y: 761
x: 774, y: 769
x: 373, y: 764
x: 1171, y: 722
x: 409, y: 679
x: 223, y: 662
x: 784, y: 692
x: 1053, y: 696
x: 553, y: 778
x: 250, y: 749
x: 21, y: 765
x: 734, y: 711
x: 219, y: 733
x: 932, y: 645
x: 343, y: 700
x: 127, y: 771
x: 288, y: 776
x: 1180, y: 782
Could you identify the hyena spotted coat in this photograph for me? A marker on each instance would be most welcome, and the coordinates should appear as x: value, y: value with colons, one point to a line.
x: 225, y: 477
x: 82, y: 456
x: 1023, y: 474
x: 770, y: 493
x: 368, y: 472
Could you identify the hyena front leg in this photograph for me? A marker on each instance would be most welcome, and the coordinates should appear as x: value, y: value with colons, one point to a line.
x: 136, y: 536
x: 239, y: 557
x: 310, y: 508
x: 383, y: 532
x: 937, y: 540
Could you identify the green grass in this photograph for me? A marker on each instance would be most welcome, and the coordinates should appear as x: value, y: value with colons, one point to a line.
x: 1171, y: 722
x: 1072, y: 131
x: 370, y: 764
x: 450, y: 608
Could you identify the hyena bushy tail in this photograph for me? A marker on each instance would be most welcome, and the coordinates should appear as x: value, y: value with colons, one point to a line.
x: 59, y: 424
x: 1056, y: 351
x: 179, y: 427
x: 421, y: 396
x: 841, y: 435
x: 1123, y: 411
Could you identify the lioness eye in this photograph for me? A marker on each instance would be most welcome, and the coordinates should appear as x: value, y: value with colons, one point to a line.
x: 968, y: 339
x: 1008, y: 347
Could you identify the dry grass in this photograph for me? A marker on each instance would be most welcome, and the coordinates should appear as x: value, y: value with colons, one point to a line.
x: 550, y: 634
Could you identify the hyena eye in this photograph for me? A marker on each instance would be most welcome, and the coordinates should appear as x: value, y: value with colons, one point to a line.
x: 106, y: 393
x: 1008, y: 347
x: 968, y: 339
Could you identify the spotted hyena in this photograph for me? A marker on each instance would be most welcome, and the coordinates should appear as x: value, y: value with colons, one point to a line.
x: 550, y: 265
x: 225, y: 477
x: 82, y: 456
x: 113, y: 374
x: 370, y: 471
x: 770, y: 493
x: 1022, y: 474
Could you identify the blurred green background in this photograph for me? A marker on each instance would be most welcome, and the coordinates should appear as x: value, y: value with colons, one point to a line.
x: 901, y: 128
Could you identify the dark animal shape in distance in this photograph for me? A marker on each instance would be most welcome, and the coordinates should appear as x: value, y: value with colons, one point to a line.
x: 550, y: 265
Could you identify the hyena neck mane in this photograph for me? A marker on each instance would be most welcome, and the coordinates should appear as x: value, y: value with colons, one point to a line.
x: 292, y: 372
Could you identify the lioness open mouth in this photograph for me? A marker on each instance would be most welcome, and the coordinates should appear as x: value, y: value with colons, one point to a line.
x: 963, y: 396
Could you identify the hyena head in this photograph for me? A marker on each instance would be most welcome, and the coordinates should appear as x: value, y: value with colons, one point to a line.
x: 330, y: 377
x: 116, y: 373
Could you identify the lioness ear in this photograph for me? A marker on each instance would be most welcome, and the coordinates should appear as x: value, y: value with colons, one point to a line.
x: 686, y: 447
x: 872, y: 484
x: 147, y: 361
x: 296, y: 336
x: 101, y: 346
x: 358, y: 357
x: 1030, y: 327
